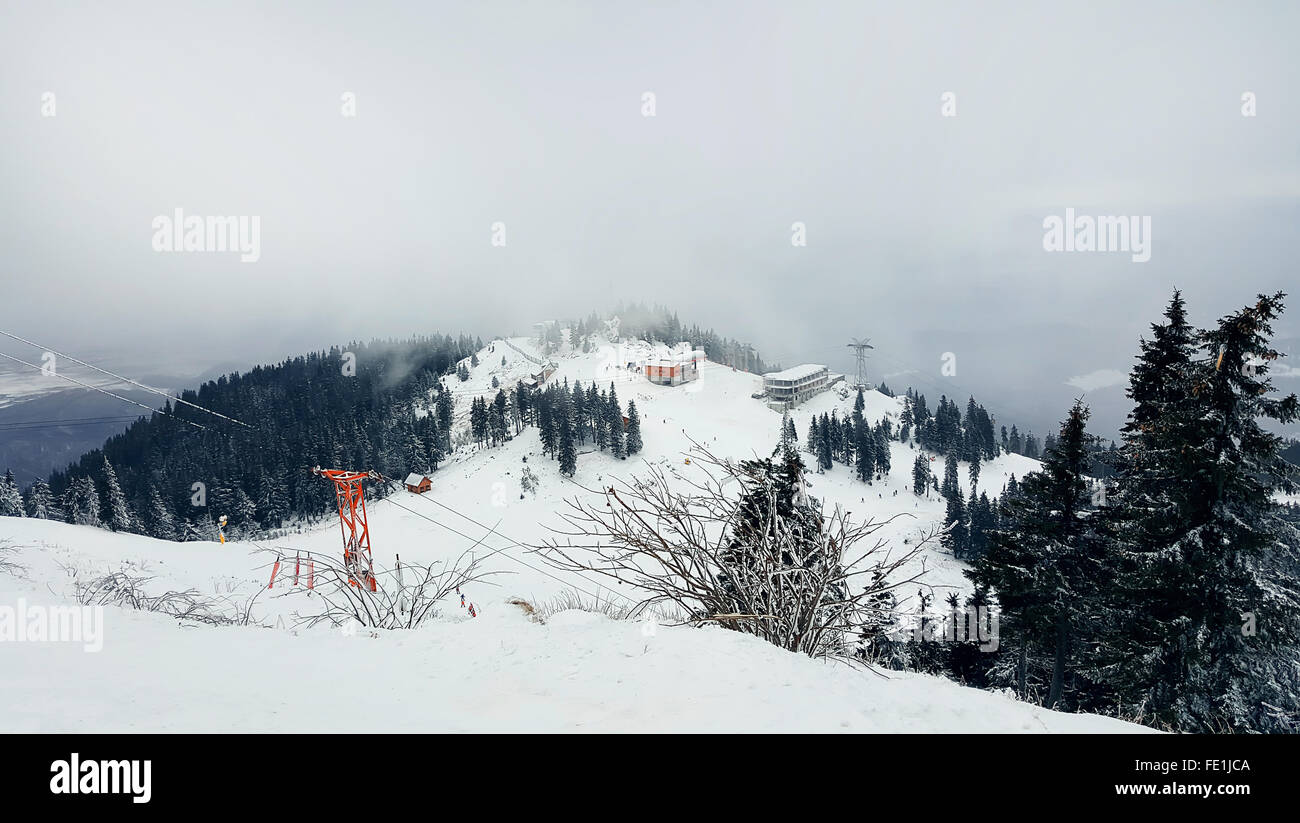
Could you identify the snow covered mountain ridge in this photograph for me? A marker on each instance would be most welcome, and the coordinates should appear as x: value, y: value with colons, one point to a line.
x: 501, y: 669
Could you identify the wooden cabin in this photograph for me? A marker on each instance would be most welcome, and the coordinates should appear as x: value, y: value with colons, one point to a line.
x: 418, y: 483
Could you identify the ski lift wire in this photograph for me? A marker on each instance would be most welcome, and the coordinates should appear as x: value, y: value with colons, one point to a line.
x: 103, y: 391
x: 120, y: 377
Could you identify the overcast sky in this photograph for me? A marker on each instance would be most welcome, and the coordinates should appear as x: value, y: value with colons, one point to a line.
x: 924, y: 232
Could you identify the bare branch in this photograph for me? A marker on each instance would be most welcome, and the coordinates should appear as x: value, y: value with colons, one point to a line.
x: 755, y: 559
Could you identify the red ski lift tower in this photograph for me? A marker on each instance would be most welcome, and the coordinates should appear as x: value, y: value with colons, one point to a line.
x: 352, y: 522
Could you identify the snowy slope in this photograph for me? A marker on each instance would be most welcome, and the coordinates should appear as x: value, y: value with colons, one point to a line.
x: 717, y: 411
x: 500, y: 671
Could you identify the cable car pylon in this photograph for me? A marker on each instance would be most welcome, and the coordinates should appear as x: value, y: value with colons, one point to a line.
x: 353, y: 524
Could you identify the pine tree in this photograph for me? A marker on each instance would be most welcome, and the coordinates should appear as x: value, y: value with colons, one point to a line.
x: 242, y: 512
x: 1213, y: 551
x: 920, y: 475
x: 866, y: 448
x: 947, y: 428
x: 444, y: 411
x: 40, y: 503
x: 599, y: 421
x: 633, y: 429
x: 773, y: 499
x: 497, y: 419
x: 905, y: 420
x: 957, y: 538
x: 568, y: 452
x: 835, y: 431
x: 158, y: 518
x: 11, y: 500
x: 825, y: 450
x: 983, y: 521
x: 119, y: 516
x: 579, y: 404
x: 614, y: 415
x: 1031, y: 446
x: 431, y: 441
x: 81, y: 505
x: 478, y: 424
x: 1047, y: 565
x: 951, y: 484
x: 881, y: 436
x: 547, y: 430
x: 788, y: 442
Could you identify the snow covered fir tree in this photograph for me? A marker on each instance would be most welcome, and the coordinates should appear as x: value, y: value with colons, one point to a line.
x: 1171, y: 592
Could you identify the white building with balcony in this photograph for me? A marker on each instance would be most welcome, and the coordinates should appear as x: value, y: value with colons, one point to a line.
x: 792, y: 386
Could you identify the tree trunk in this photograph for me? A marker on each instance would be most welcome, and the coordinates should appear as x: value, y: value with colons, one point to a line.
x: 1022, y: 671
x: 1058, y: 666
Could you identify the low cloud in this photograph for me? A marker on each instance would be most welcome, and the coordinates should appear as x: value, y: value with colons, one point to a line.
x: 1283, y: 370
x: 1099, y: 379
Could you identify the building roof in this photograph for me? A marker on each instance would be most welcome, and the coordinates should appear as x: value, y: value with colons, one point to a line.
x: 795, y: 372
x: 679, y: 357
x: 414, y: 479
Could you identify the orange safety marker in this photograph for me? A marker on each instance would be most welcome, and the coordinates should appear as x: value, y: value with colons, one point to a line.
x: 274, y: 571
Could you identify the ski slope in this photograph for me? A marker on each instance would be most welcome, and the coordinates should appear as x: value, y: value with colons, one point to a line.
x: 500, y: 671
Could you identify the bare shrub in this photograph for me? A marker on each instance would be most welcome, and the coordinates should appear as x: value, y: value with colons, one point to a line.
x: 8, y: 565
x: 128, y: 591
x: 572, y: 600
x: 404, y: 597
x: 763, y: 558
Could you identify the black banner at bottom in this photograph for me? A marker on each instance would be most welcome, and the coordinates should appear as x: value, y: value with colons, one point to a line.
x: 145, y: 773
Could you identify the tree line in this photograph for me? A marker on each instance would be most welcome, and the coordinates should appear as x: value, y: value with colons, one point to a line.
x: 370, y: 405
x: 1167, y: 592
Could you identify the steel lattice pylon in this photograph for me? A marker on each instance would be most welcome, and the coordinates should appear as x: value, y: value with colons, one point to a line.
x: 860, y: 351
x: 352, y: 522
